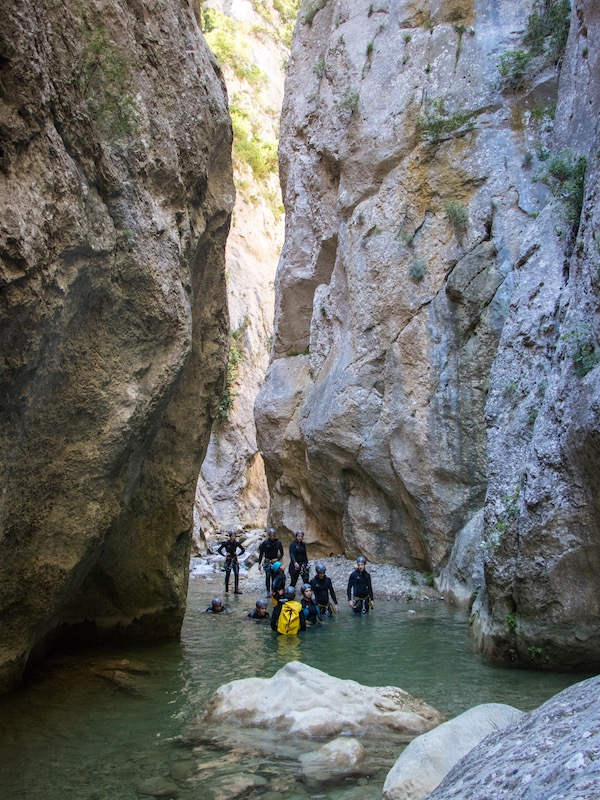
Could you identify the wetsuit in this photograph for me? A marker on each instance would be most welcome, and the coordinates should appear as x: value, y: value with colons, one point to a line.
x: 360, y: 584
x: 298, y: 554
x: 271, y: 550
x: 231, y: 547
x: 277, y: 585
x: 322, y: 588
x: 277, y: 612
x: 255, y: 615
x: 310, y: 610
x: 221, y: 610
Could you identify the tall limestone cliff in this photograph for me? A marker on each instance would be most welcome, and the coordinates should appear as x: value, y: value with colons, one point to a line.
x: 541, y: 598
x: 427, y: 284
x: 116, y: 194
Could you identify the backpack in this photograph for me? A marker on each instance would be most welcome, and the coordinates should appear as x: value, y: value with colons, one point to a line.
x: 289, y: 618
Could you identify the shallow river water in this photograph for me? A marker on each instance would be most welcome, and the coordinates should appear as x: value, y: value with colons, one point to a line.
x: 71, y: 734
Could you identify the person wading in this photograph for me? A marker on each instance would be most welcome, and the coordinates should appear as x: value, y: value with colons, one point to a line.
x: 287, y: 617
x: 278, y: 581
x: 322, y: 589
x: 260, y: 611
x: 309, y: 608
x: 298, y: 559
x: 270, y: 550
x: 231, y: 549
x: 360, y: 591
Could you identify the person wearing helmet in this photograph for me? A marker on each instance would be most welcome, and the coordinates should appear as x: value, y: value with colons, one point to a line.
x: 260, y: 611
x: 278, y: 581
x: 309, y: 608
x: 270, y: 550
x: 322, y: 589
x: 216, y: 607
x: 230, y: 549
x: 360, y: 591
x: 298, y: 559
x: 287, y: 617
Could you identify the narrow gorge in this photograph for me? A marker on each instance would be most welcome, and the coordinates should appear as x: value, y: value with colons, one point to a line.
x: 432, y: 397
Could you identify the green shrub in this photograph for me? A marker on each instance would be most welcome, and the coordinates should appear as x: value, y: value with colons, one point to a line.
x: 312, y: 10
x: 319, y: 66
x: 235, y: 359
x: 513, y: 66
x: 548, y: 29
x: 250, y: 147
x: 585, y: 355
x: 458, y: 216
x: 511, y: 620
x: 103, y: 77
x: 349, y: 101
x: 417, y: 269
x: 436, y: 123
x: 565, y: 176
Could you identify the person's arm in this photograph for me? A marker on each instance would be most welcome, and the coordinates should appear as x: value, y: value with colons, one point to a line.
x: 220, y: 548
x: 242, y: 548
x: 275, y: 617
x: 332, y: 593
x: 350, y: 584
x: 279, y: 556
x: 302, y: 622
x: 261, y: 552
x: 370, y: 589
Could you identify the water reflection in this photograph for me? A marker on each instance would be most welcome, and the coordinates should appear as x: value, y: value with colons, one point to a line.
x: 91, y: 728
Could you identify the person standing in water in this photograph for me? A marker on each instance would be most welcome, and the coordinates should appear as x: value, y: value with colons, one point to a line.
x: 322, y: 589
x: 309, y: 608
x: 270, y: 550
x: 360, y: 591
x: 230, y: 549
x: 298, y: 559
x: 278, y: 578
x: 287, y: 617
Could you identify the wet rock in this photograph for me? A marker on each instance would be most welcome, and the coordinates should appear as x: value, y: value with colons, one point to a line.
x: 157, y: 787
x: 429, y: 757
x: 552, y: 752
x: 334, y: 760
x: 324, y: 706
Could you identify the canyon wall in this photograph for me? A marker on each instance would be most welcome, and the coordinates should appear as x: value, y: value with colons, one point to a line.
x: 250, y: 41
x: 433, y: 302
x: 116, y: 194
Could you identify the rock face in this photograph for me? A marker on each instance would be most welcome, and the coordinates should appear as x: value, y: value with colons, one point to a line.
x: 434, y: 304
x: 232, y: 488
x: 115, y: 194
x: 552, y: 752
x: 324, y: 707
x: 406, y: 204
x: 541, y: 600
x: 429, y: 757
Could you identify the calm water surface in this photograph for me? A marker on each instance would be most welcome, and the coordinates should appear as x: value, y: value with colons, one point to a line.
x: 74, y: 735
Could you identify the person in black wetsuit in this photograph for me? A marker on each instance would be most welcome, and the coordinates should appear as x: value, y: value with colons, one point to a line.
x: 278, y: 581
x: 260, y: 611
x: 231, y: 548
x: 360, y: 591
x: 216, y: 607
x: 298, y: 559
x: 322, y: 589
x: 270, y: 550
x: 309, y: 608
x: 289, y: 597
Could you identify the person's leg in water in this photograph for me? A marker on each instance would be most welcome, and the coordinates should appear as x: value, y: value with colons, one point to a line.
x: 267, y: 569
x: 294, y: 575
x: 227, y: 574
x: 236, y: 578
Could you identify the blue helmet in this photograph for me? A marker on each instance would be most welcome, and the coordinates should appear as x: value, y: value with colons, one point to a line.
x: 361, y: 560
x: 261, y: 604
x: 271, y: 531
x: 290, y: 593
x: 275, y: 565
x: 319, y: 567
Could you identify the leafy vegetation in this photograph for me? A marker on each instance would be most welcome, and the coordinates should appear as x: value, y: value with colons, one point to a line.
x: 103, y: 77
x: 585, y: 354
x: 417, y: 269
x: 235, y: 359
x: 459, y: 218
x: 349, y: 101
x: 437, y: 123
x: 544, y: 43
x: 312, y: 10
x: 564, y: 175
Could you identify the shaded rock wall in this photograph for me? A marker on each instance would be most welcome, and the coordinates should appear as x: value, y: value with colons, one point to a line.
x: 406, y: 204
x: 115, y: 194
x: 541, y: 602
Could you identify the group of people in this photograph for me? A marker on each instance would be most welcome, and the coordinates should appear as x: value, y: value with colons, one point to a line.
x: 317, y: 598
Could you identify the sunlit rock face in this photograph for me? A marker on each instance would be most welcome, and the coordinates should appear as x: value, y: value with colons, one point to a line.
x: 407, y: 200
x: 115, y: 194
x: 541, y: 601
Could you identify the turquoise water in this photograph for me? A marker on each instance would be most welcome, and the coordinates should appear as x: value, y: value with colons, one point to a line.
x: 72, y: 734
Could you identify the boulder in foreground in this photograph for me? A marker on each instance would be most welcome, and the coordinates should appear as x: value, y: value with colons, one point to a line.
x: 429, y: 758
x: 552, y: 753
x: 304, y: 701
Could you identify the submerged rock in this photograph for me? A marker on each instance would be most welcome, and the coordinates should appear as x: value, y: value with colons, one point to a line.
x: 323, y: 706
x: 341, y: 757
x: 552, y: 753
x: 428, y: 758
